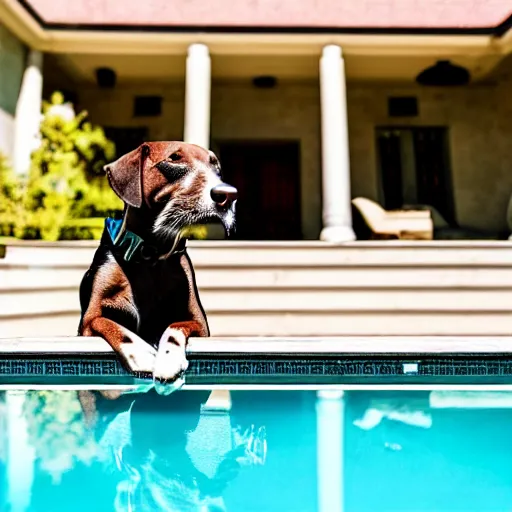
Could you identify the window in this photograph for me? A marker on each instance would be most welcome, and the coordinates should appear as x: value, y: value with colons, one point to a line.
x: 147, y: 106
x: 414, y: 168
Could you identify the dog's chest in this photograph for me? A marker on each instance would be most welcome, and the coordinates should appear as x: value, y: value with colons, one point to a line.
x: 161, y: 295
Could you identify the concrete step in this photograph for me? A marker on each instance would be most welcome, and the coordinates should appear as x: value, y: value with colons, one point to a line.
x: 294, y: 289
x: 50, y: 324
x: 39, y: 278
x: 291, y: 254
x: 360, y: 324
x: 56, y: 276
x: 311, y: 323
x: 276, y: 300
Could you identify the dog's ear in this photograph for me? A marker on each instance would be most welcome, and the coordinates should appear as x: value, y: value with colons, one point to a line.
x: 125, y: 175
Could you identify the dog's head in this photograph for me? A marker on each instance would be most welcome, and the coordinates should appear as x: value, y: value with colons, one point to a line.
x: 178, y: 184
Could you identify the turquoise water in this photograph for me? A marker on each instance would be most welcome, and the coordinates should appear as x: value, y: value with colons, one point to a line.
x: 266, y: 451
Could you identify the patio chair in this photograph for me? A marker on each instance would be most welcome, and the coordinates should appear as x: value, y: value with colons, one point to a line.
x: 395, y: 224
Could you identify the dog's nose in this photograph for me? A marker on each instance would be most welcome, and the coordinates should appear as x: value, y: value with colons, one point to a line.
x: 223, y: 194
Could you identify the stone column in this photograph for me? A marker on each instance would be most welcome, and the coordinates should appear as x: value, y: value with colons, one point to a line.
x: 330, y: 432
x: 197, y: 96
x: 28, y: 113
x: 336, y: 209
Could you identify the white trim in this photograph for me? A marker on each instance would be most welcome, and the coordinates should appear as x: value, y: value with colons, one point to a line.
x: 17, y: 19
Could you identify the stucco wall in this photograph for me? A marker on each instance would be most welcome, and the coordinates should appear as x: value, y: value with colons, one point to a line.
x: 479, y: 120
x: 239, y: 111
x: 12, y: 62
x: 115, y: 108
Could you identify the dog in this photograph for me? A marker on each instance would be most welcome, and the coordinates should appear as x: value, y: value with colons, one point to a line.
x: 140, y: 293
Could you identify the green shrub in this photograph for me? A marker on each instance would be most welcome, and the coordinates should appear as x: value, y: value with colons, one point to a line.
x: 10, y: 197
x: 66, y: 179
x: 83, y: 229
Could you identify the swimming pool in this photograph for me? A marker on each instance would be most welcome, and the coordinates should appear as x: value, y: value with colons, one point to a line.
x: 253, y: 451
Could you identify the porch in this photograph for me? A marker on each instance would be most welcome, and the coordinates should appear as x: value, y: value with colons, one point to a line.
x: 302, y: 124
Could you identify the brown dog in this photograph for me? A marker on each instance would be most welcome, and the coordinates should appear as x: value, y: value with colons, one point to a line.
x: 140, y: 293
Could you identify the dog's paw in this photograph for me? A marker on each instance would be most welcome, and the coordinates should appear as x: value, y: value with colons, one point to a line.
x: 139, y: 357
x: 171, y: 362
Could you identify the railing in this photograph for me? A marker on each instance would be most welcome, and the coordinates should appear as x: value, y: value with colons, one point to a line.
x: 271, y: 363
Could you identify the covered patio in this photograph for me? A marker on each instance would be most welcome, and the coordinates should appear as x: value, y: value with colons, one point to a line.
x: 331, y: 116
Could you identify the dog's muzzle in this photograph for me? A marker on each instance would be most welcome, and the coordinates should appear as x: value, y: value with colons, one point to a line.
x: 223, y: 194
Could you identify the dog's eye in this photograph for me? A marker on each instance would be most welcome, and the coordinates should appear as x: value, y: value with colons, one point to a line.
x: 172, y: 172
x: 175, y: 157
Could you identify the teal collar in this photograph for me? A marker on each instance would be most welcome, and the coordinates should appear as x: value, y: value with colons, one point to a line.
x: 132, y: 246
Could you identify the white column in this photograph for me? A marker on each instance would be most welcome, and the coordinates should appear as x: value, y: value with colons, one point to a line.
x: 20, y: 454
x: 197, y: 96
x: 330, y: 418
x: 28, y: 113
x: 337, y: 213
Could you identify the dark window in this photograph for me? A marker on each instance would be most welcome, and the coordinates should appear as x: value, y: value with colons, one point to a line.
x: 403, y: 106
x: 147, y: 106
x: 414, y: 168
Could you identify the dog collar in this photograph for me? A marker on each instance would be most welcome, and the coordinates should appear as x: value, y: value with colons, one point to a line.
x: 132, y: 246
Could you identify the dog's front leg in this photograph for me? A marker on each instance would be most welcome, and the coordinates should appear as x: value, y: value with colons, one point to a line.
x: 137, y: 355
x: 171, y: 358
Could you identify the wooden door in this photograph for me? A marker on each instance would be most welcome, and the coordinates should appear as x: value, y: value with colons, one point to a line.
x: 267, y: 177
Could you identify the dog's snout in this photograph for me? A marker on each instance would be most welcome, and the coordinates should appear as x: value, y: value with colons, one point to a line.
x: 223, y: 194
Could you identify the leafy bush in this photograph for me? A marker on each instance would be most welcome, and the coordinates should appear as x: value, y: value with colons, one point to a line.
x: 66, y: 179
x: 66, y: 195
x: 10, y: 197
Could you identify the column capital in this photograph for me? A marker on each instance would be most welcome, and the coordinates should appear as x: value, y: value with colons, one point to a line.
x: 198, y: 50
x: 35, y: 58
x: 333, y: 51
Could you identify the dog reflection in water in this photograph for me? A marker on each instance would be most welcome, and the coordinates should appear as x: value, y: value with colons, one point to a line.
x: 172, y: 457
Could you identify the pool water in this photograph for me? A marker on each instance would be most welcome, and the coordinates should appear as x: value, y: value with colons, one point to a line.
x: 299, y: 451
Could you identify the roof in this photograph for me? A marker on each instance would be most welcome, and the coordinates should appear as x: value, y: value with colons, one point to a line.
x: 276, y: 15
